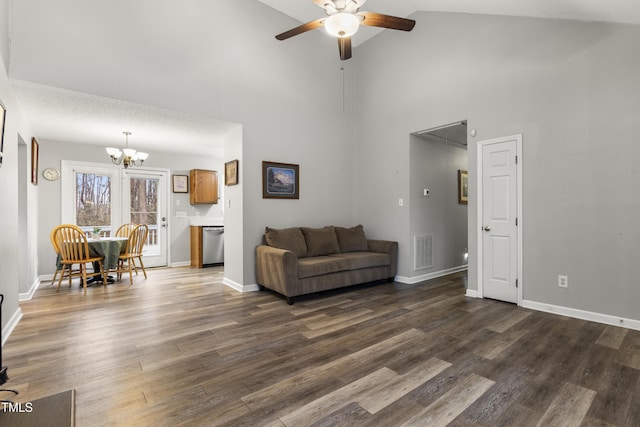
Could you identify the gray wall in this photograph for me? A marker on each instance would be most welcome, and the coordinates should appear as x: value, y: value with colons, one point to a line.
x: 288, y: 96
x: 14, y: 176
x: 5, y: 19
x: 434, y: 165
x: 51, y: 154
x: 570, y: 88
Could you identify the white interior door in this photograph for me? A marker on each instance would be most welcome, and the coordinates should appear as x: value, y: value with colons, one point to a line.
x: 499, y: 218
x: 145, y: 202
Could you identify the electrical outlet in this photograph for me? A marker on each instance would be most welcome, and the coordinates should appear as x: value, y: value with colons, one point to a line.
x: 563, y: 281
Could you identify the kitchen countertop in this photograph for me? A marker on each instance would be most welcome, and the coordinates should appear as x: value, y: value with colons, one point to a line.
x: 204, y: 221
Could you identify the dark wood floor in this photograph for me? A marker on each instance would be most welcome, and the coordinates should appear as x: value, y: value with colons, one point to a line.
x: 182, y: 349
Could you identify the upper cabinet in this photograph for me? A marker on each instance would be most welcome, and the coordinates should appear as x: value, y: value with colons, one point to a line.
x: 204, y: 186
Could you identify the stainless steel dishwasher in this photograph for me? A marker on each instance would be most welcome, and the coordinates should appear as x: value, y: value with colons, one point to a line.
x: 213, y: 245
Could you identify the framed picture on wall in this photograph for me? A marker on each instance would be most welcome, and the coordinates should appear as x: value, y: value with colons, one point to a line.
x: 280, y: 180
x: 3, y: 115
x: 180, y: 184
x: 35, y: 155
x: 463, y: 187
x: 231, y: 173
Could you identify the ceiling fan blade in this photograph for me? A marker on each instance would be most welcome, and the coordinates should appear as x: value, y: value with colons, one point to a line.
x: 301, y: 29
x: 373, y: 19
x: 344, y: 45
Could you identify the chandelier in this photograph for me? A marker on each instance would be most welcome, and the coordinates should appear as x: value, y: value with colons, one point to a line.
x: 128, y: 156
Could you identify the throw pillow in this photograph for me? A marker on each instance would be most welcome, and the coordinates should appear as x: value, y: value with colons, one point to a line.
x: 321, y: 241
x: 290, y: 239
x: 352, y: 239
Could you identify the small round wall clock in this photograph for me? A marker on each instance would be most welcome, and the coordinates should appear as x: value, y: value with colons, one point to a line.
x: 51, y: 174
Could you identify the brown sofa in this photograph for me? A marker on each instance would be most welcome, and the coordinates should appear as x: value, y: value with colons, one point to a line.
x: 301, y: 260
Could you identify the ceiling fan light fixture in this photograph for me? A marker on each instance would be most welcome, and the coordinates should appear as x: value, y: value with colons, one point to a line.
x: 342, y: 24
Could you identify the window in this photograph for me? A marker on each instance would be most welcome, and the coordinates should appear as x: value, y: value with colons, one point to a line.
x: 92, y: 200
x: 90, y: 196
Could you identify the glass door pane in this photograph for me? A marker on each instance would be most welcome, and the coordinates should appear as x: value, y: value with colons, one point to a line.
x: 143, y: 209
x: 145, y: 202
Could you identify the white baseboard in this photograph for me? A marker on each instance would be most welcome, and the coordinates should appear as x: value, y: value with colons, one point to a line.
x: 180, y: 264
x: 28, y: 295
x: 11, y: 325
x: 472, y: 293
x: 429, y: 276
x: 239, y: 287
x: 582, y: 314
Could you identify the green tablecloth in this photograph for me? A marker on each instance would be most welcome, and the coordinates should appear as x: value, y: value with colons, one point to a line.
x: 108, y: 247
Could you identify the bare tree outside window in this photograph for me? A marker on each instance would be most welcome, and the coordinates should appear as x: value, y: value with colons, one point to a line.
x: 144, y: 201
x: 93, y: 200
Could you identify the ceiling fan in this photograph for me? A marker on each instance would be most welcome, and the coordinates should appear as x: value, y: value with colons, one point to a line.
x: 343, y: 19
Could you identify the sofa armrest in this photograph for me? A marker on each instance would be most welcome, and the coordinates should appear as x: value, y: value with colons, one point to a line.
x: 277, y: 269
x: 387, y: 247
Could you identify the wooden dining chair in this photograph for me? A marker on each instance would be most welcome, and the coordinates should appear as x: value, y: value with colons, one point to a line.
x: 73, y: 247
x: 133, y: 250
x: 61, y: 269
x: 125, y: 230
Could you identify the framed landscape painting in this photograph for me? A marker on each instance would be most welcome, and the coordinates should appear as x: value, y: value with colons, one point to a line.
x: 3, y: 114
x: 35, y: 156
x: 180, y: 184
x: 463, y: 187
x: 231, y: 173
x: 280, y: 180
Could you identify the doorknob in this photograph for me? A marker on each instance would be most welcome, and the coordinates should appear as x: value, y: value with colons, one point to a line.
x: 487, y: 228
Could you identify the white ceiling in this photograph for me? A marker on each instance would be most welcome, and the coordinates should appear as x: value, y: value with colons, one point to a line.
x: 62, y: 113
x: 618, y: 11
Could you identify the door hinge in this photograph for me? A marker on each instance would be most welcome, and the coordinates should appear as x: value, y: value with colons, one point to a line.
x: 516, y: 221
x: 516, y: 160
x: 516, y: 283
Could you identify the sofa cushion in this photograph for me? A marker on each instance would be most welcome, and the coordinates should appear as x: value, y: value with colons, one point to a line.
x: 352, y: 239
x: 321, y: 241
x: 321, y: 265
x: 290, y: 239
x: 356, y: 260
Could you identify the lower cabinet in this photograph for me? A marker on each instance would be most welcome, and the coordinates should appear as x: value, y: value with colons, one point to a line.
x: 196, y: 246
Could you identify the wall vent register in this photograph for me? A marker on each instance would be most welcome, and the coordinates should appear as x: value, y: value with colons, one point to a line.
x: 423, y: 251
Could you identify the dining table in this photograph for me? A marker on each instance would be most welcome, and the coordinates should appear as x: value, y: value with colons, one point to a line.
x: 108, y: 247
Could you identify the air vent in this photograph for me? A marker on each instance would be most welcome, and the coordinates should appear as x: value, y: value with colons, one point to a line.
x: 423, y: 250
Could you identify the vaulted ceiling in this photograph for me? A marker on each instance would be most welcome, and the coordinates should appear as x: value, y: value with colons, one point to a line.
x: 619, y: 11
x: 54, y: 53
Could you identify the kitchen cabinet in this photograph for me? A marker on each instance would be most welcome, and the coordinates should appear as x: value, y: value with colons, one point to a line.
x: 196, y: 246
x: 207, y: 245
x: 204, y: 186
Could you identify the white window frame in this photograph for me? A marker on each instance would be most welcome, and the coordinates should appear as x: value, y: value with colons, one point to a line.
x: 68, y: 191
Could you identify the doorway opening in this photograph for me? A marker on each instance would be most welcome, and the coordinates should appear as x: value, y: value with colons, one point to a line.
x: 438, y: 213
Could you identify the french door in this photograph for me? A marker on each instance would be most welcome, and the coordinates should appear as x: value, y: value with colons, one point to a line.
x: 143, y: 203
x: 99, y: 198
